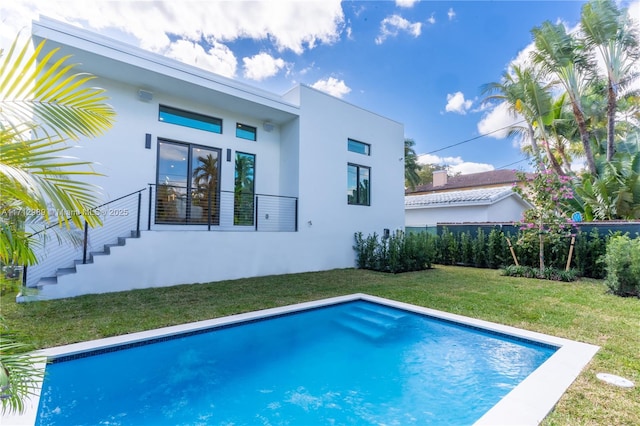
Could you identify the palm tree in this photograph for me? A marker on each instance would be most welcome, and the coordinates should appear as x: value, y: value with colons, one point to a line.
x: 411, y: 166
x: 608, y: 31
x: 205, y: 181
x: 512, y: 90
x: 531, y: 99
x: 42, y: 107
x: 244, y: 189
x: 559, y: 55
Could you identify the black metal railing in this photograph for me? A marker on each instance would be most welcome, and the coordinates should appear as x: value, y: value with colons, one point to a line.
x: 120, y: 217
x: 176, y: 205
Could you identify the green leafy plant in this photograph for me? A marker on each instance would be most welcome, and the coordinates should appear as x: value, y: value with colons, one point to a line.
x: 43, y: 106
x: 545, y: 223
x: 399, y: 252
x: 623, y: 265
x: 552, y: 274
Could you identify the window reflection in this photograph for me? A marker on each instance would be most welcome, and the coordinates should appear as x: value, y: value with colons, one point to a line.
x: 187, y: 184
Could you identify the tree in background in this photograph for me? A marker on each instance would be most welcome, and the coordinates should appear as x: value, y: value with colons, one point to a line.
x: 43, y: 106
x: 608, y: 31
x: 411, y: 166
x: 575, y: 100
x: 559, y: 56
x: 547, y: 221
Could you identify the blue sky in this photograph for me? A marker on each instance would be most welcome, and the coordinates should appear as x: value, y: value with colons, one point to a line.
x: 418, y: 62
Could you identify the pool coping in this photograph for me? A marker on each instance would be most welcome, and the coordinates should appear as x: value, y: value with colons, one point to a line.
x: 527, y: 404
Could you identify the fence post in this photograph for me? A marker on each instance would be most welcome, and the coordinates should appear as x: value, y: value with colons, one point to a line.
x: 209, y: 209
x: 138, y: 218
x: 84, y: 243
x: 256, y: 217
x: 149, y: 215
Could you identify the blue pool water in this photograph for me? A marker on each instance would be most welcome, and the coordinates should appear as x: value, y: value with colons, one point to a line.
x: 348, y: 364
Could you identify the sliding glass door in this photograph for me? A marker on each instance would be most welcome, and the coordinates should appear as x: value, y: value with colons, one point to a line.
x: 188, y: 184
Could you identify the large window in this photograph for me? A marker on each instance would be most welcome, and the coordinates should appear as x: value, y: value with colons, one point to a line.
x: 189, y: 119
x: 187, y: 184
x: 359, y: 147
x: 358, y: 185
x: 244, y: 194
x: 246, y: 132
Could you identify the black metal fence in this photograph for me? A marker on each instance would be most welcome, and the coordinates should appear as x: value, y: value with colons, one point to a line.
x: 57, y: 247
x: 221, y: 210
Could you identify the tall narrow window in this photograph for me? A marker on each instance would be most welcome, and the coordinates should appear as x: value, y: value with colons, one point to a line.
x: 244, y: 196
x: 246, y: 132
x: 359, y: 147
x: 187, y: 184
x: 358, y: 185
x: 189, y: 119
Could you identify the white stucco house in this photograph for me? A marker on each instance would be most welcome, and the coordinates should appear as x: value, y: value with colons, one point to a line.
x: 485, y: 197
x: 209, y: 179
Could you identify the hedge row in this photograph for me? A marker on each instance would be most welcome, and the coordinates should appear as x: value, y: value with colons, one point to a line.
x: 401, y: 251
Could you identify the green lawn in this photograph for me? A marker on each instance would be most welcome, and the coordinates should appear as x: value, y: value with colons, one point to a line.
x: 580, y: 311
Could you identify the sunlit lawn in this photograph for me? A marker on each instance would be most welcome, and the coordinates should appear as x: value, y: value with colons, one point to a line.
x: 580, y: 311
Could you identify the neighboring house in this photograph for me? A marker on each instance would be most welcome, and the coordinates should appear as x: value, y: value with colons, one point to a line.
x: 472, y: 198
x: 216, y: 179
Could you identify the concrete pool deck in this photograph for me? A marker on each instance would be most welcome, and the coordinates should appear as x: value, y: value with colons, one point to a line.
x: 527, y: 404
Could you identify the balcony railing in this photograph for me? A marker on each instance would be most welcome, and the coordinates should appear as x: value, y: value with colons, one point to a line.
x: 57, y: 248
x: 220, y: 210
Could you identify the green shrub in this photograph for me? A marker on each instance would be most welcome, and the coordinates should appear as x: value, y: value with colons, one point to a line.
x: 466, y: 249
x: 497, y: 249
x: 399, y: 252
x: 552, y: 274
x: 447, y: 248
x: 480, y: 250
x: 622, y: 261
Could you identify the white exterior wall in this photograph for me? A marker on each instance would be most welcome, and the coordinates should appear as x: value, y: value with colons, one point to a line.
x: 506, y: 210
x: 304, y: 156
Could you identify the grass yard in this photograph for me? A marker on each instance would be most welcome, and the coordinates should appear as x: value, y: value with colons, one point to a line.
x: 580, y: 311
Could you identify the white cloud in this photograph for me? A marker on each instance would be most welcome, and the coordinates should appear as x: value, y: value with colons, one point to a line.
x: 392, y: 25
x: 470, y: 167
x: 495, y: 122
x: 455, y: 164
x: 332, y: 86
x: 261, y: 66
x: 432, y: 19
x: 406, y: 3
x: 451, y: 14
x: 219, y: 59
x: 456, y: 103
x: 288, y: 25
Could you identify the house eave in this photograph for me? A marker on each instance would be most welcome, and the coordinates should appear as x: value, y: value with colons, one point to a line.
x: 119, y: 61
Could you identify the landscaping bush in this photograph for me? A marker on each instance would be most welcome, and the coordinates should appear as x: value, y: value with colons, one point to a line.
x: 399, y: 252
x: 622, y: 261
x: 553, y: 274
x: 402, y: 252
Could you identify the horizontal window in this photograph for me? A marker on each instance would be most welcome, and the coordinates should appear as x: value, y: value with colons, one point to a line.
x: 190, y: 119
x: 358, y: 185
x: 246, y: 132
x: 359, y: 147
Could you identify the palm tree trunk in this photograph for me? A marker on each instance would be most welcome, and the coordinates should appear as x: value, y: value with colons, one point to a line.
x: 584, y: 136
x: 535, y: 147
x: 611, y: 121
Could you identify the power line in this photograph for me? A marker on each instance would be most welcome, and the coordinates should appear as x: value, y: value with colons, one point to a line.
x: 597, y: 89
x: 475, y: 137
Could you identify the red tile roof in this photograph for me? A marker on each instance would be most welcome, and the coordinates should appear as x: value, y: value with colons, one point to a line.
x: 472, y: 181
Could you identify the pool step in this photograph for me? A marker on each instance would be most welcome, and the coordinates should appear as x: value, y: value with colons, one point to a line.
x: 370, y: 322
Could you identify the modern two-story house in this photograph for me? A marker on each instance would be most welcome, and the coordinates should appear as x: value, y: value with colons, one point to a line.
x: 209, y: 179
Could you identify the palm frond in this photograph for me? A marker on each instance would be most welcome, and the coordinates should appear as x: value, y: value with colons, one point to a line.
x: 48, y: 93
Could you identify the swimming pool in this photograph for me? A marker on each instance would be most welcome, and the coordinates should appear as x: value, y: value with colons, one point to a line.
x: 356, y: 359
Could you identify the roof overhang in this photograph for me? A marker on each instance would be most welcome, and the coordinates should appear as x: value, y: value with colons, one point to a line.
x: 428, y: 204
x: 122, y: 62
